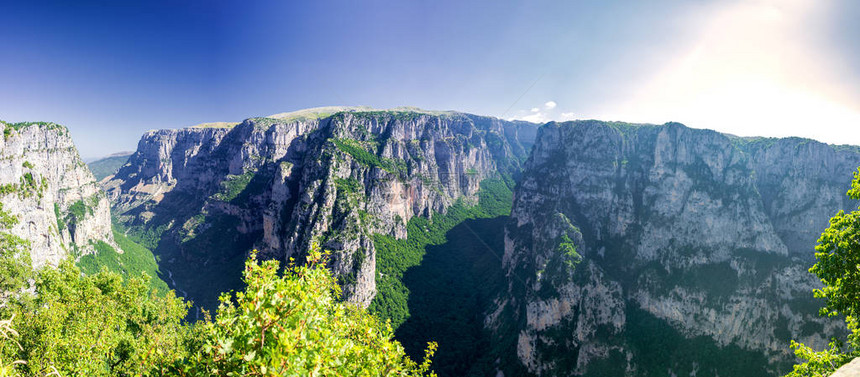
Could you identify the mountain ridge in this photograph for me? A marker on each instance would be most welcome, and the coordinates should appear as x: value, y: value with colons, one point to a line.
x: 334, y: 180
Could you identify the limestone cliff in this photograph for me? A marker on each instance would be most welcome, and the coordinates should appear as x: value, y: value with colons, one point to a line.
x: 631, y: 246
x: 207, y: 195
x: 43, y: 182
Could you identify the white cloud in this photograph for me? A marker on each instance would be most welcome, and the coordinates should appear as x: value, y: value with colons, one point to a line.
x: 534, y: 115
x: 535, y: 118
x: 544, y: 113
x: 568, y: 116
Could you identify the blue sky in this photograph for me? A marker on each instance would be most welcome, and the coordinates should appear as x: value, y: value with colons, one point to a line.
x: 111, y: 70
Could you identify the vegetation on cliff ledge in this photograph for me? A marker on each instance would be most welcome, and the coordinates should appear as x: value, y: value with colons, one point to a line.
x: 395, y: 256
x: 360, y: 153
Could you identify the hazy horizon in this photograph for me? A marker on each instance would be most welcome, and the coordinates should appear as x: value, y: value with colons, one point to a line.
x: 110, y: 72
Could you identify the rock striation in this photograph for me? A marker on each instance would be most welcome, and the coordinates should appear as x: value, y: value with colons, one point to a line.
x: 629, y: 243
x: 331, y: 176
x: 60, y: 208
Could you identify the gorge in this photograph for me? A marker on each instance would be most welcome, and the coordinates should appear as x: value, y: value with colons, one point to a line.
x: 578, y: 248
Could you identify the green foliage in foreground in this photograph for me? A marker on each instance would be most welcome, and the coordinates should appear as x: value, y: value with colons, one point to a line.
x: 394, y: 257
x: 838, y: 267
x: 14, y: 257
x: 289, y: 323
x: 98, y: 325
x: 294, y: 324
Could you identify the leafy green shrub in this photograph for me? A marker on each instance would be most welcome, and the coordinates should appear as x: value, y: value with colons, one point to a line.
x: 8, y: 335
x: 14, y: 256
x: 61, y: 225
x: 292, y: 323
x: 26, y: 187
x: 99, y: 325
x: 8, y: 188
x: 95, y: 325
x: 567, y: 250
x: 29, y: 181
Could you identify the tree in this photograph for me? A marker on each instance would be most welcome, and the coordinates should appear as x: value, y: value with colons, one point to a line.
x: 99, y: 325
x: 293, y: 323
x: 60, y: 322
x: 838, y: 266
x: 15, y: 262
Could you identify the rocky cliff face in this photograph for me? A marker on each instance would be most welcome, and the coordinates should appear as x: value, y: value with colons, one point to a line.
x: 631, y: 246
x: 208, y: 195
x: 802, y: 184
x: 60, y: 209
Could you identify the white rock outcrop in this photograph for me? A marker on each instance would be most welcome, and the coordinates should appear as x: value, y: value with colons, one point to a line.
x: 60, y: 208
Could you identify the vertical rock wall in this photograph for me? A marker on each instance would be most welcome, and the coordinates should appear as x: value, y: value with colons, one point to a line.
x: 59, y: 206
x: 709, y: 234
x: 288, y: 182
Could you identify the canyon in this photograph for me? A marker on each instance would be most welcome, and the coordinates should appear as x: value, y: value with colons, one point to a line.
x: 578, y: 248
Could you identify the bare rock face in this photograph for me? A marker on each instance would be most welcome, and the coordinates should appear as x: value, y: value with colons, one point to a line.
x: 43, y: 182
x: 683, y: 238
x: 282, y: 184
x: 851, y: 369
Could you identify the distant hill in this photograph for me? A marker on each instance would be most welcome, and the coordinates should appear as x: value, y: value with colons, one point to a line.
x: 109, y: 165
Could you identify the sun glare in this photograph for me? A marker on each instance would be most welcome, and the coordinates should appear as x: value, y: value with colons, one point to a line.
x: 751, y: 73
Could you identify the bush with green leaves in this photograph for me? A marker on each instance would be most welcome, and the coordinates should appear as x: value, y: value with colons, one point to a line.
x: 99, y: 325
x: 69, y: 324
x: 14, y: 257
x: 293, y: 323
x: 838, y: 267
x: 14, y: 272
